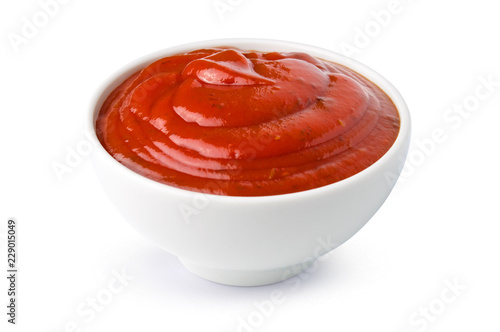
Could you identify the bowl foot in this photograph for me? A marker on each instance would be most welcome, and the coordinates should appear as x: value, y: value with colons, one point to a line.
x: 245, y: 277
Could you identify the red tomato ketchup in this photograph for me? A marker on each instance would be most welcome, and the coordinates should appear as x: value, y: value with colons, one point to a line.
x: 245, y: 123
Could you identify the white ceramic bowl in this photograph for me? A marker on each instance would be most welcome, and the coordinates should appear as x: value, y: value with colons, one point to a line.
x: 249, y: 241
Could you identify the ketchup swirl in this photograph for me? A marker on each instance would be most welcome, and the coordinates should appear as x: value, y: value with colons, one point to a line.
x: 231, y: 122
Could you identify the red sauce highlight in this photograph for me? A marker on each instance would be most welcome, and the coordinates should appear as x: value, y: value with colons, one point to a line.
x: 245, y: 123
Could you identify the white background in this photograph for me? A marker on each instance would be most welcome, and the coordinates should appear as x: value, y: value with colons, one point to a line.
x: 439, y: 227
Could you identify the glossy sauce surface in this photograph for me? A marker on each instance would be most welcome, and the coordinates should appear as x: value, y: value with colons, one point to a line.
x: 245, y: 123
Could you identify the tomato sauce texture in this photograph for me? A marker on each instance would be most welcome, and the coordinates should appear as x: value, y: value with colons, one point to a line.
x: 245, y: 123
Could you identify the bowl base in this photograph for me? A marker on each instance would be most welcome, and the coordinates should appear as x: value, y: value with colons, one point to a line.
x: 245, y: 277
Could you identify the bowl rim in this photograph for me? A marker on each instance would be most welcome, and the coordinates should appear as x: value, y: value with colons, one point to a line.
x: 258, y: 44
